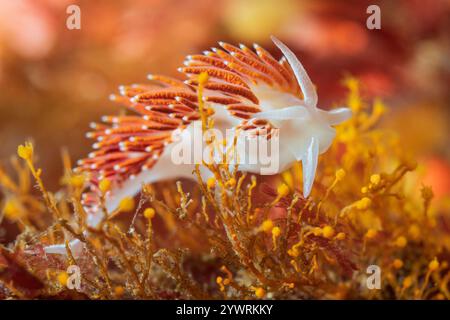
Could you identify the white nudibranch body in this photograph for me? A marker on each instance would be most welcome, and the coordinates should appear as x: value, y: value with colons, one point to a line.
x: 249, y: 92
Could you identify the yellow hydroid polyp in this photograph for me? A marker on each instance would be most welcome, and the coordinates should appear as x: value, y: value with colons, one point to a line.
x: 351, y: 83
x: 341, y: 236
x: 317, y: 231
x: 211, y: 182
x: 203, y: 78
x: 401, y: 242
x: 407, y: 282
x: 259, y: 292
x: 126, y: 204
x: 12, y: 209
x: 149, y: 213
x: 293, y: 252
x: 219, y: 281
x: 375, y: 179
x: 328, y: 232
x: 353, y: 99
x: 378, y: 107
x: 340, y: 174
x: 276, y: 231
x: 119, y: 291
x: 433, y: 265
x: 267, y: 225
x: 25, y: 151
x: 62, y: 278
x: 414, y: 232
x: 283, y: 190
x: 364, y: 203
x: 319, y: 241
x: 288, y: 178
x: 371, y: 233
x: 77, y: 181
x: 231, y: 183
x: 104, y: 185
x: 398, y: 264
x: 427, y: 193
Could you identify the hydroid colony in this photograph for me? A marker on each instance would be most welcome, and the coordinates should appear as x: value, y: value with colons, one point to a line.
x: 232, y: 235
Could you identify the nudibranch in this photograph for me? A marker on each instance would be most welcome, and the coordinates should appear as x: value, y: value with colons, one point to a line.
x: 248, y: 90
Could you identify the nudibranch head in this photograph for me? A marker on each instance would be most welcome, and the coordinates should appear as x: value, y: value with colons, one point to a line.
x: 249, y: 90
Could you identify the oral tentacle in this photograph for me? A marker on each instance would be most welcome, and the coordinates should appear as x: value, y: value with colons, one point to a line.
x: 309, y: 163
x: 303, y: 79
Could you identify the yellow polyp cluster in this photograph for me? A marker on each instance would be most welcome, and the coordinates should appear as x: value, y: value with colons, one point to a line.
x: 223, y: 282
x: 241, y: 236
x: 288, y: 178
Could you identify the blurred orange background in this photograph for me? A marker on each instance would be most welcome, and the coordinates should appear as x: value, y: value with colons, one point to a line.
x: 55, y: 81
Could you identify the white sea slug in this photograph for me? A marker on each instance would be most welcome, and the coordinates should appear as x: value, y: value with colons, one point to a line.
x: 249, y: 91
